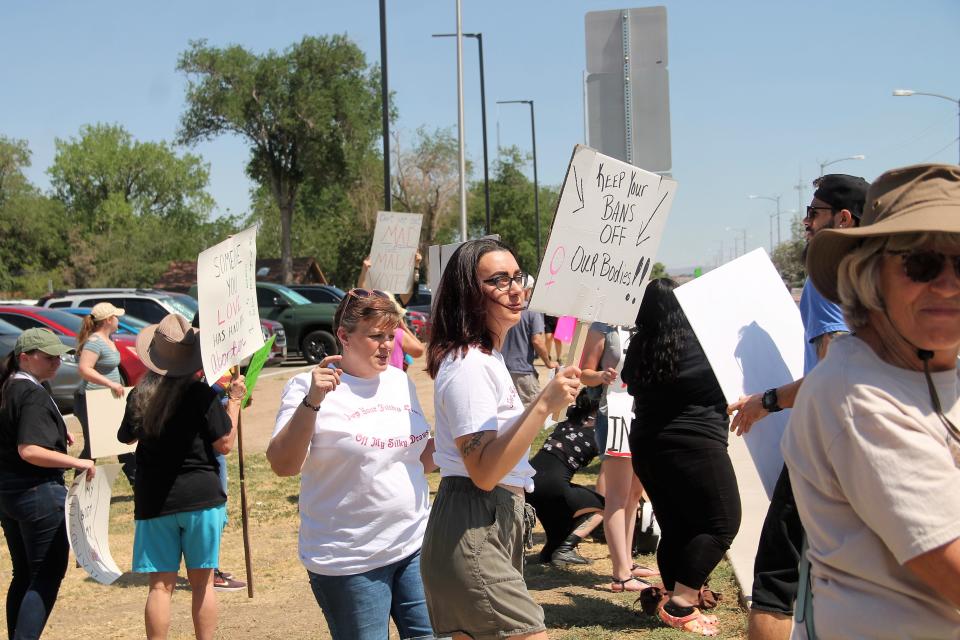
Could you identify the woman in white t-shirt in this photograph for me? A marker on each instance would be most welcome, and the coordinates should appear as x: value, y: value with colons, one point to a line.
x: 353, y: 428
x: 473, y: 549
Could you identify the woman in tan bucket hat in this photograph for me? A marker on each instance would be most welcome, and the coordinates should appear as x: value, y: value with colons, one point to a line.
x: 873, y: 445
x: 179, y: 503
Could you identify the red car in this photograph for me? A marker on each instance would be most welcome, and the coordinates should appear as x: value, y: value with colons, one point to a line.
x: 63, y: 323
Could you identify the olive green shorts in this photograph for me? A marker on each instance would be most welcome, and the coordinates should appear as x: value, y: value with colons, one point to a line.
x: 472, y: 563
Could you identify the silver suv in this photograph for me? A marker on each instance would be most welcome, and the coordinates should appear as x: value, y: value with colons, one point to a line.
x: 150, y: 305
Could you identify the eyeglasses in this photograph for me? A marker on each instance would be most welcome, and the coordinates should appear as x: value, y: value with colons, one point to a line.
x: 502, y: 281
x: 812, y: 212
x: 924, y: 265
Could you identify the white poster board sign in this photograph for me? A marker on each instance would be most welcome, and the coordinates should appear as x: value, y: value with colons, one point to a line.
x: 227, y: 293
x: 394, y: 251
x: 619, y: 418
x: 104, y: 415
x: 88, y: 520
x: 438, y: 256
x: 606, y: 232
x: 750, y: 329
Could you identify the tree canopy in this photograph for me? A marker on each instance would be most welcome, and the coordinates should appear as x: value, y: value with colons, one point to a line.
x: 311, y: 112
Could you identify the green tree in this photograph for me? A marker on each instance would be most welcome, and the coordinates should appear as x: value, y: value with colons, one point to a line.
x: 105, y: 178
x: 311, y: 112
x: 659, y: 271
x: 788, y: 257
x: 32, y: 233
x: 427, y: 180
x: 512, y: 213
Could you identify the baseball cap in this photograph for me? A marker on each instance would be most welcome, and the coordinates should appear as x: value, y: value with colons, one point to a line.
x: 39, y: 339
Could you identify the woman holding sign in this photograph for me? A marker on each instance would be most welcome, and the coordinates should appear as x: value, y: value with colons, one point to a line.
x: 354, y: 431
x: 679, y: 440
x: 473, y: 546
x: 99, y: 366
x: 179, y: 505
x: 33, y: 455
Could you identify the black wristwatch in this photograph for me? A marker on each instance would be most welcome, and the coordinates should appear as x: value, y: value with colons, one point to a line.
x: 770, y: 402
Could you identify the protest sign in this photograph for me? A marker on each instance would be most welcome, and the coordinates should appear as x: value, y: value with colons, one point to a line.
x: 227, y: 293
x: 104, y: 415
x: 437, y: 257
x: 752, y: 345
x: 607, y: 228
x: 619, y: 419
x: 88, y: 516
x: 255, y: 367
x: 564, y: 330
x: 394, y: 251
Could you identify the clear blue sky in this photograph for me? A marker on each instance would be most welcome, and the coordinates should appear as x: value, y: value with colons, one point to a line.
x: 760, y: 92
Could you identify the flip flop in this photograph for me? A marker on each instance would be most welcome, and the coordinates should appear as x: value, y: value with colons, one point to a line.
x: 631, y: 584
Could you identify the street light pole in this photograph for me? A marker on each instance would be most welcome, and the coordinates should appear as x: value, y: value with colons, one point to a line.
x: 483, y: 118
x: 536, y: 184
x: 771, y: 199
x: 460, y: 130
x: 911, y: 92
x: 859, y: 156
x: 385, y: 108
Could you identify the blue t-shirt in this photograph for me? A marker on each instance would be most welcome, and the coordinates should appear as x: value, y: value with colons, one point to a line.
x: 819, y: 316
x: 517, y: 350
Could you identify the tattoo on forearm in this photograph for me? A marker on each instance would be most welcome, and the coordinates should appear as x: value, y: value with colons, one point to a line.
x: 471, y: 445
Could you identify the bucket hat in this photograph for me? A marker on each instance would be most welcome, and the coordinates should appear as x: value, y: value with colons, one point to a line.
x: 170, y: 347
x: 915, y: 199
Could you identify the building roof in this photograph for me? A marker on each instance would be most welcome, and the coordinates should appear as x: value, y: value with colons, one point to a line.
x: 182, y: 274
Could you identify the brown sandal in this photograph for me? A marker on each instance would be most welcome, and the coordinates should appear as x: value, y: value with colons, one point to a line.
x: 639, y: 571
x: 695, y: 622
x: 621, y: 586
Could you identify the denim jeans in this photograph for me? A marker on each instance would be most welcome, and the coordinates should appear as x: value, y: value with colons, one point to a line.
x: 359, y: 607
x: 32, y: 518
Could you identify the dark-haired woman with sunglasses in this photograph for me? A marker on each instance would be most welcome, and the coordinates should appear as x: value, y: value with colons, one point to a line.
x: 473, y: 546
x: 353, y: 429
x: 873, y: 446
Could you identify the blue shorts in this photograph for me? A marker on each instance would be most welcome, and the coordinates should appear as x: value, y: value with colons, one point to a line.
x: 159, y: 542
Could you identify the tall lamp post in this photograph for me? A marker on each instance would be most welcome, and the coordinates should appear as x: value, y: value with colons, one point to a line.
x: 743, y: 249
x: 911, y: 92
x: 823, y: 165
x: 385, y: 108
x: 776, y: 199
x: 536, y: 186
x: 483, y: 118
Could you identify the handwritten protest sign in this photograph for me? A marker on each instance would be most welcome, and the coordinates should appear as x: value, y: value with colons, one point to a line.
x: 437, y: 257
x: 255, y: 367
x: 606, y: 232
x: 88, y: 517
x: 752, y: 345
x: 394, y: 251
x: 105, y: 413
x: 227, y: 293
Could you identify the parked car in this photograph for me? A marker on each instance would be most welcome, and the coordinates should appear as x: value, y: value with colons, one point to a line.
x: 320, y: 292
x: 131, y: 325
x: 151, y: 305
x: 68, y: 375
x: 308, y: 325
x: 67, y: 324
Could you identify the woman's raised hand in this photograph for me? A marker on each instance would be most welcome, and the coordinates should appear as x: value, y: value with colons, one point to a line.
x: 237, y: 389
x: 324, y: 379
x: 561, y: 392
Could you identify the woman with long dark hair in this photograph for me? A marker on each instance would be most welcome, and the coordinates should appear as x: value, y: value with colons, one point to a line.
x: 33, y: 456
x: 179, y: 508
x: 679, y: 440
x: 473, y: 547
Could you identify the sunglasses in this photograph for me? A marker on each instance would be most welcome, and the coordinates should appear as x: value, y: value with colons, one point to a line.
x: 356, y: 292
x: 502, y: 281
x: 812, y: 211
x: 924, y: 265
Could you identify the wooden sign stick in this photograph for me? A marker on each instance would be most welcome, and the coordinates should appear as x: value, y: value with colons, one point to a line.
x: 244, y: 518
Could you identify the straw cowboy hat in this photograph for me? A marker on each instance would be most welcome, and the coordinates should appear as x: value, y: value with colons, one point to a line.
x: 914, y: 199
x: 171, y: 347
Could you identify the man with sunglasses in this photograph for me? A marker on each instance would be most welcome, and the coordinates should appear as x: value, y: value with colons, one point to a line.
x: 837, y: 204
x: 522, y: 344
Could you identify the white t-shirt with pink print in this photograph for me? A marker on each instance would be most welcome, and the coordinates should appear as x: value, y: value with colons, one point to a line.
x: 364, y: 500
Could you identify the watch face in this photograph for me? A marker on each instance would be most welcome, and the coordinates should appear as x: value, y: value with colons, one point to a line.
x: 769, y: 400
